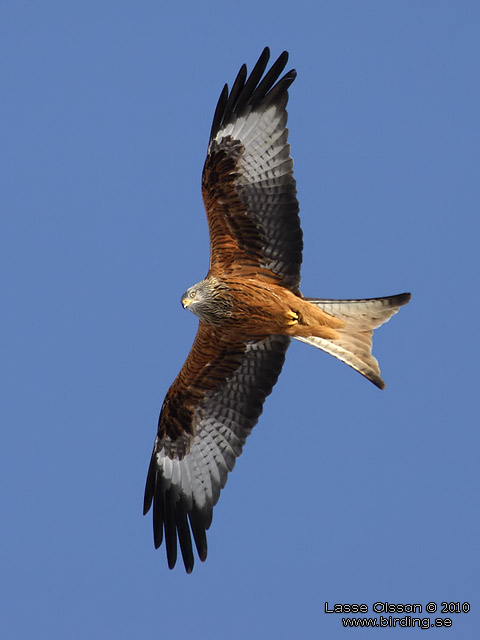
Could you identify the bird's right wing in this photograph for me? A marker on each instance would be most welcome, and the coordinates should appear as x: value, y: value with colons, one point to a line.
x: 206, y: 417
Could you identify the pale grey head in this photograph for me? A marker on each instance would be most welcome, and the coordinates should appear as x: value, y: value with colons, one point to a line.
x: 209, y: 300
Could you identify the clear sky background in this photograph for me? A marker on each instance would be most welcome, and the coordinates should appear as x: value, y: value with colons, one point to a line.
x: 344, y: 493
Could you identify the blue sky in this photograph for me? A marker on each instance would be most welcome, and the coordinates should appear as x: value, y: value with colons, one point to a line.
x: 344, y: 493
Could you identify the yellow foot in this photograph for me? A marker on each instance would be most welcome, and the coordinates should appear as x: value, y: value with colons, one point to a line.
x: 292, y: 318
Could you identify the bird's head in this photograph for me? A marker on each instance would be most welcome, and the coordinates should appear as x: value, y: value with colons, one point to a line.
x: 192, y: 297
x: 207, y: 300
x: 197, y: 298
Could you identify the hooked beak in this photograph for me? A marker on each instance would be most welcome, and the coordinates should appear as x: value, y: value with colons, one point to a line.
x: 186, y: 302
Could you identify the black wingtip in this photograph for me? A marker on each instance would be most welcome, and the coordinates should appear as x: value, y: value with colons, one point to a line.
x: 248, y: 92
x: 158, y: 518
x: 149, y: 487
x: 147, y: 501
x: 184, y: 537
x: 219, y: 111
x: 264, y: 58
x: 198, y: 526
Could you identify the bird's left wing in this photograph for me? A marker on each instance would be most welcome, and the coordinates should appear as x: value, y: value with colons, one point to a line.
x: 247, y: 185
x: 206, y: 417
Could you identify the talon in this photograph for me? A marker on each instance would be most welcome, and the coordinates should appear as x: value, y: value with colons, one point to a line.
x: 292, y: 318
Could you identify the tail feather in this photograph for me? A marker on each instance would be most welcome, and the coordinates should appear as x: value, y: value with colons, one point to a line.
x: 354, y: 344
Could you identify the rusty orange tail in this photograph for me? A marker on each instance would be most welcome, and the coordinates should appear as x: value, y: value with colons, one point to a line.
x: 354, y: 345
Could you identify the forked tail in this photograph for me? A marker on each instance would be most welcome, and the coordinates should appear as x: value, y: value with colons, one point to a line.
x: 354, y: 346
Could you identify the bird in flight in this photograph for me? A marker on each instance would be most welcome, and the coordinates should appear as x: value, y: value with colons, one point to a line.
x: 249, y: 307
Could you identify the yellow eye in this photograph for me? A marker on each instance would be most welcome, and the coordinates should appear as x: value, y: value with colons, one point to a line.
x: 192, y: 294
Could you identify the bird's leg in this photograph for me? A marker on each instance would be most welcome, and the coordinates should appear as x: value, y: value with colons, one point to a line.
x: 292, y: 318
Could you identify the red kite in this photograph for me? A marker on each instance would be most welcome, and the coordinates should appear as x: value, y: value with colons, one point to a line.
x: 249, y: 306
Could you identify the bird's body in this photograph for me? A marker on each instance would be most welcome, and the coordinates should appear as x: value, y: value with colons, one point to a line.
x: 249, y: 307
x: 253, y: 307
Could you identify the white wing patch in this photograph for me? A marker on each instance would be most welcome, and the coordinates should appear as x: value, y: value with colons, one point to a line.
x: 202, y: 473
x: 264, y: 138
